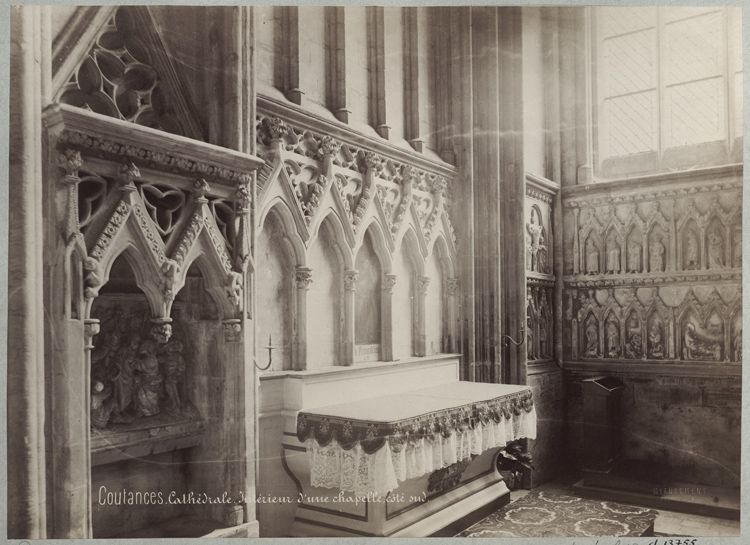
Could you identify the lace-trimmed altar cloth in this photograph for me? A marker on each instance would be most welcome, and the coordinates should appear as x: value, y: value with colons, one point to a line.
x: 369, y: 446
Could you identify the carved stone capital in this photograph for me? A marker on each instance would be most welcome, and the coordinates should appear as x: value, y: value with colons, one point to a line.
x: 452, y: 286
x: 128, y: 173
x: 243, y: 198
x: 161, y: 329
x: 439, y: 185
x: 350, y: 280
x: 200, y: 188
x: 91, y: 327
x: 303, y: 277
x: 423, y: 282
x: 232, y: 330
x: 372, y: 160
x: 389, y: 281
x: 71, y: 161
x: 276, y: 127
x: 328, y: 146
x: 410, y: 174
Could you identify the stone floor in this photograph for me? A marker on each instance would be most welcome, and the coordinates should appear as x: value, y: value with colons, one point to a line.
x: 668, y: 523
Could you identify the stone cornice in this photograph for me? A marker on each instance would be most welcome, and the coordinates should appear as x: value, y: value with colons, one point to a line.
x: 101, y: 136
x: 657, y: 368
x: 535, y: 279
x: 653, y: 279
x: 656, y: 186
x: 345, y: 134
x: 540, y: 188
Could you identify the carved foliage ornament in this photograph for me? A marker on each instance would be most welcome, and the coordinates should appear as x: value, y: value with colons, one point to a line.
x: 350, y: 280
x: 303, y: 277
x: 155, y: 159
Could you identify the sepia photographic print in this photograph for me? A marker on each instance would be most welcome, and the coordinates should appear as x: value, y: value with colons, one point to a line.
x: 375, y: 271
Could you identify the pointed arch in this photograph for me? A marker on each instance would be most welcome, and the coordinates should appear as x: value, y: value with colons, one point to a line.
x: 342, y: 236
x: 441, y: 249
x: 380, y: 246
x: 279, y: 210
x: 277, y: 257
x: 203, y: 254
x: 410, y: 242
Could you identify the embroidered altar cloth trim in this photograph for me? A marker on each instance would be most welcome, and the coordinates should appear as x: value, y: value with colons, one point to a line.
x: 389, y: 439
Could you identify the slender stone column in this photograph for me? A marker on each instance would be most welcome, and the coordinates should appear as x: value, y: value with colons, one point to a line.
x: 26, y: 442
x: 303, y: 280
x: 350, y: 288
x: 386, y: 317
x: 451, y: 316
x: 419, y: 323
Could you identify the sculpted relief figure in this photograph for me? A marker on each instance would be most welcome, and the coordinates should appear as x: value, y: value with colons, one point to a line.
x: 543, y: 353
x: 715, y: 250
x: 173, y: 365
x: 634, y: 257
x: 592, y: 340
x: 102, y: 403
x: 656, y: 346
x: 691, y: 251
x: 122, y: 374
x: 657, y: 254
x: 634, y: 344
x: 528, y: 254
x: 534, y: 228
x: 592, y: 258
x: 542, y: 261
x: 133, y: 377
x: 148, y: 379
x: 613, y: 340
x: 696, y: 347
x: 613, y: 257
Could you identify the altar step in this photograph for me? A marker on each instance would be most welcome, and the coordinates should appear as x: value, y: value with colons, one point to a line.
x: 711, y: 502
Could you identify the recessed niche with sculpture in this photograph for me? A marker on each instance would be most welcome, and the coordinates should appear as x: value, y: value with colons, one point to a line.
x: 138, y: 369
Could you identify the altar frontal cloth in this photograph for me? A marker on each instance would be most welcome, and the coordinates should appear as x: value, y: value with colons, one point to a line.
x: 371, y: 445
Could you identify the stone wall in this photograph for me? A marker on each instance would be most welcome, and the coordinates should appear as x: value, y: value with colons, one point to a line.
x: 653, y: 295
x: 690, y: 424
x: 549, y: 449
